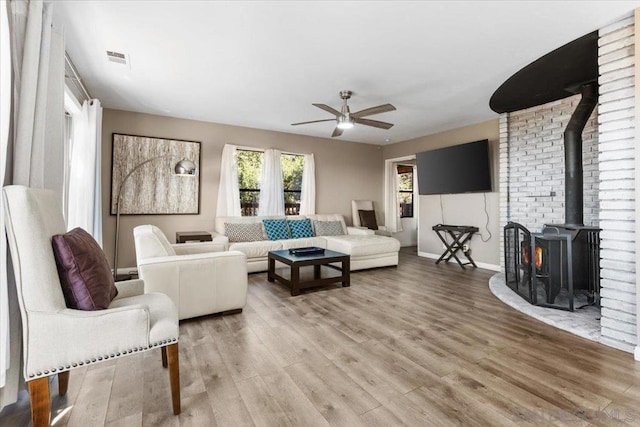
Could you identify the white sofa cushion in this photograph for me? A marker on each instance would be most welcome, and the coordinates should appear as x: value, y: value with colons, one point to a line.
x: 304, y: 242
x: 256, y: 249
x: 359, y: 245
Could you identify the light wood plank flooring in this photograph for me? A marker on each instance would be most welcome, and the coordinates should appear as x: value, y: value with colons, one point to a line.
x: 422, y: 344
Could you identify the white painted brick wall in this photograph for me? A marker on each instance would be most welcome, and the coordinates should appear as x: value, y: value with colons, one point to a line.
x: 503, y: 145
x: 616, y: 164
x: 532, y: 165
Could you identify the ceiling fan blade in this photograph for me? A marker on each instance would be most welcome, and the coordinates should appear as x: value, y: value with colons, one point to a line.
x: 374, y: 110
x: 374, y: 123
x: 336, y: 132
x: 327, y: 109
x: 313, y: 121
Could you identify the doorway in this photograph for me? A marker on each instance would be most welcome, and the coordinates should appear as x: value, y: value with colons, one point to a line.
x: 405, y: 194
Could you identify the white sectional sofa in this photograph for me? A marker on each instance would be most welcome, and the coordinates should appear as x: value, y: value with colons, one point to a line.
x: 367, y: 250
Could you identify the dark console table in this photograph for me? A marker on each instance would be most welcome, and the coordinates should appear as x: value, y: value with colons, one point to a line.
x: 460, y: 234
x: 193, y: 236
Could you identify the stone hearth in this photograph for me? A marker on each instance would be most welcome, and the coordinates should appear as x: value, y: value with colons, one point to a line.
x: 584, y: 322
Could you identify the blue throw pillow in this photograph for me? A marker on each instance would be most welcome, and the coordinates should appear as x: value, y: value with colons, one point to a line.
x: 277, y: 229
x: 300, y: 228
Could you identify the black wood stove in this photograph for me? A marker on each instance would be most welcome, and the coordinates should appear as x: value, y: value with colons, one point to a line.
x: 554, y: 268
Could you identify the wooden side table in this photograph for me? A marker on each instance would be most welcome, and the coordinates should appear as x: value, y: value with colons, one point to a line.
x: 193, y: 236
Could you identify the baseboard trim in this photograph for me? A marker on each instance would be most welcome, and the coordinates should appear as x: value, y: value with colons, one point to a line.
x: 484, y: 265
x: 428, y: 255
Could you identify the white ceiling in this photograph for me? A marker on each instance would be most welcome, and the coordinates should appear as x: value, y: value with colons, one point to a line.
x: 262, y: 64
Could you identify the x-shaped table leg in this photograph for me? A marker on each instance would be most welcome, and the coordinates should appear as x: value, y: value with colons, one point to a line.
x: 453, y: 247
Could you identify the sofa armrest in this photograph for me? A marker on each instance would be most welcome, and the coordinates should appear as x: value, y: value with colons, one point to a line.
x: 217, y: 244
x: 189, y: 257
x: 362, y: 231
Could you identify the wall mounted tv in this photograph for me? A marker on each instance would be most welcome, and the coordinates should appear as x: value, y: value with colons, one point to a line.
x: 458, y: 169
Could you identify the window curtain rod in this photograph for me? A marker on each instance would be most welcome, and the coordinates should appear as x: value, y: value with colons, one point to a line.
x: 262, y: 150
x: 75, y: 77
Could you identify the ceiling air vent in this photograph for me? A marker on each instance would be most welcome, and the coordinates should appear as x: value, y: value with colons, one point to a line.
x: 117, y: 57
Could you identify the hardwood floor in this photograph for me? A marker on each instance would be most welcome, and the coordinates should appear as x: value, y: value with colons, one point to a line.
x: 417, y: 345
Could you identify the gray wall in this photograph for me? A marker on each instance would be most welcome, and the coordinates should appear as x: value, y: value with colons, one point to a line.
x: 459, y: 209
x: 344, y: 171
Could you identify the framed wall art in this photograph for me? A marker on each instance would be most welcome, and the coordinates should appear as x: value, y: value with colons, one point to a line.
x: 143, y: 176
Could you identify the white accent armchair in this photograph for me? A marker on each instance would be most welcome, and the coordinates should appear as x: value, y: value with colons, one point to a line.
x: 366, y: 205
x: 57, y: 339
x: 199, y: 284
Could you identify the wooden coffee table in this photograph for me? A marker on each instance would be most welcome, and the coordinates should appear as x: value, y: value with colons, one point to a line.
x: 323, y: 273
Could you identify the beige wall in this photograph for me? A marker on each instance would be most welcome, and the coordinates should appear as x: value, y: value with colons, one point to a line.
x: 344, y: 171
x: 459, y: 209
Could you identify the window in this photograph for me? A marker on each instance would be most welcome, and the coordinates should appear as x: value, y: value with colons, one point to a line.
x: 292, y: 166
x: 72, y: 110
x: 249, y: 171
x: 405, y: 190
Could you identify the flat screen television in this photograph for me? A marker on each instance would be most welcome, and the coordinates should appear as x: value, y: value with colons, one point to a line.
x: 458, y: 169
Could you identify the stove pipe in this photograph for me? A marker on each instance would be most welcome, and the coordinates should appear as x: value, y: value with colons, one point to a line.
x: 574, y: 214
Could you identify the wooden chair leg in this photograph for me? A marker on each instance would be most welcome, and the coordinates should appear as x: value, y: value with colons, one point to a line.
x: 164, y: 356
x: 63, y: 383
x: 40, y: 401
x: 174, y: 376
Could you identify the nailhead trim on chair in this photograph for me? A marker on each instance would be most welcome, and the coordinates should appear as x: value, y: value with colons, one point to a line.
x: 38, y: 374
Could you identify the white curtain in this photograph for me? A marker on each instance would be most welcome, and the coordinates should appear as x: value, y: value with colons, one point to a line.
x: 34, y: 149
x: 308, y: 190
x: 391, y: 204
x: 5, y: 117
x: 271, y: 187
x: 85, y: 194
x: 228, y: 190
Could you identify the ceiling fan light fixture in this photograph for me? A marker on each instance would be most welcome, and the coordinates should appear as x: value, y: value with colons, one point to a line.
x: 345, y: 122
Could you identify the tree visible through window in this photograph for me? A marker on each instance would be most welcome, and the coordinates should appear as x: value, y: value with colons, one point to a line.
x: 249, y: 170
x: 405, y: 190
x: 292, y: 167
